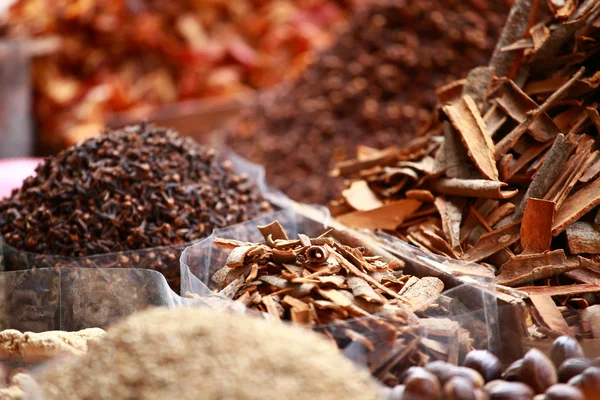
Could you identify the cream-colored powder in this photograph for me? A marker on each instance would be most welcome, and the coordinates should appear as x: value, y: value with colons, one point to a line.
x: 196, y: 353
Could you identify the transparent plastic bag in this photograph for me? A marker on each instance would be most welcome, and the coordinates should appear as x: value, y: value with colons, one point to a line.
x: 163, y: 259
x: 470, y: 302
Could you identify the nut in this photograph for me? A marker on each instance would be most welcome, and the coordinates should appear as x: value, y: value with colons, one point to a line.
x: 564, y: 348
x: 422, y: 385
x: 459, y: 388
x: 408, y: 372
x: 513, y: 371
x: 537, y: 371
x: 588, y: 382
x: 572, y: 367
x: 442, y: 370
x: 492, y: 384
x: 484, y: 362
x: 511, y: 391
x: 395, y: 393
x: 473, y: 376
x: 562, y: 391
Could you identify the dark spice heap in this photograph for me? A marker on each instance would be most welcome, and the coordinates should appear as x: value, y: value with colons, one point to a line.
x: 363, y: 303
x: 374, y: 87
x: 136, y: 188
x: 510, y: 176
x: 566, y: 375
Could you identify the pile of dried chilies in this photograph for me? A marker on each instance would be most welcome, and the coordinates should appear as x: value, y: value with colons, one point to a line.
x: 509, y: 174
x: 365, y: 304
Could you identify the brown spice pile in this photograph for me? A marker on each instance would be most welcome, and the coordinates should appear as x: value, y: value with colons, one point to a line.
x: 510, y: 174
x: 374, y: 86
x: 95, y: 58
x: 135, y: 188
x: 195, y: 353
x: 360, y: 301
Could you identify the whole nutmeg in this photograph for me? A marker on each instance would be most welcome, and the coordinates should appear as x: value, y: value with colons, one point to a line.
x: 491, y: 384
x: 484, y: 362
x: 588, y: 382
x: 562, y: 391
x: 564, y: 348
x: 422, y: 385
x: 459, y: 388
x: 513, y: 371
x: 537, y: 371
x: 470, y: 374
x: 572, y: 367
x: 510, y: 391
x: 442, y: 370
x: 407, y: 373
x: 395, y: 393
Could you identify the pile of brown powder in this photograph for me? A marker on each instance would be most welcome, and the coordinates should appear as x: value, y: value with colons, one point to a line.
x: 374, y: 87
x: 194, y: 353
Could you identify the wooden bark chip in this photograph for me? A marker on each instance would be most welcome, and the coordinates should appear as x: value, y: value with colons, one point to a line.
x: 536, y: 227
x: 468, y: 122
x: 386, y: 217
x: 332, y: 290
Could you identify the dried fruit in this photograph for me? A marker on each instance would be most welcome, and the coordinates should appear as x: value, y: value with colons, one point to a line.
x: 116, y: 57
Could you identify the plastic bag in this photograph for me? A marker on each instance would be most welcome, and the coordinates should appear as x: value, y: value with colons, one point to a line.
x: 470, y: 301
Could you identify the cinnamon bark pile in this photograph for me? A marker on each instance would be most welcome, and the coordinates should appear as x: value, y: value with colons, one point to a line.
x: 509, y: 173
x: 379, y: 315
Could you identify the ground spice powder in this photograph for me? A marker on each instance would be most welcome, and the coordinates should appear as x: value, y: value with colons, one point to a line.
x: 193, y: 353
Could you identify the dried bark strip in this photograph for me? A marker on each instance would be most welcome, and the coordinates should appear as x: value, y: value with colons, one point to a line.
x: 450, y: 211
x: 549, y: 171
x: 467, y: 120
x: 536, y: 227
x: 472, y: 188
x: 576, y: 206
x: 493, y: 242
x: 387, y: 217
x: 583, y: 238
x: 518, y: 105
x: 550, y: 314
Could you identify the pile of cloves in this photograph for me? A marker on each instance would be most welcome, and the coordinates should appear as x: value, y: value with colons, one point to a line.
x: 566, y: 375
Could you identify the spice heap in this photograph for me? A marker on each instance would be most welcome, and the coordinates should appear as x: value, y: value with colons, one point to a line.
x: 136, y: 188
x: 376, y: 81
x: 100, y: 57
x: 367, y: 305
x: 21, y: 352
x: 510, y: 176
x: 196, y: 353
x: 566, y: 375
